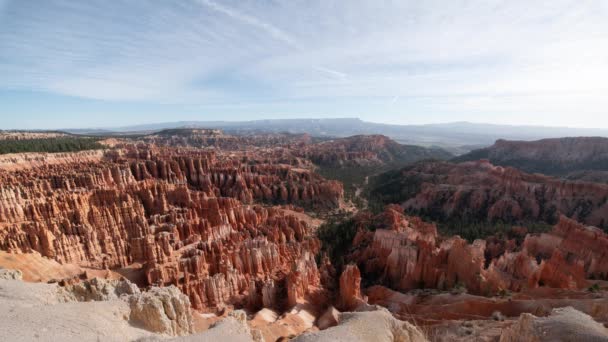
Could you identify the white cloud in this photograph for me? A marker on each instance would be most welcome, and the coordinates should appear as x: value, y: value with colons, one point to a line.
x: 443, y: 56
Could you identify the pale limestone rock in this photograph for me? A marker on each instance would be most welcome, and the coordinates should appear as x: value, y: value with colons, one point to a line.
x: 98, y: 289
x: 7, y: 274
x: 329, y: 318
x: 163, y: 310
x: 373, y: 326
x: 563, y: 325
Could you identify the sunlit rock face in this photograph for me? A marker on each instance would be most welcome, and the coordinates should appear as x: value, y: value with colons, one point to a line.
x: 407, y: 254
x: 350, y: 288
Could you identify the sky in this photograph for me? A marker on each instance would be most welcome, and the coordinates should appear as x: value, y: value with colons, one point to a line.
x: 68, y: 64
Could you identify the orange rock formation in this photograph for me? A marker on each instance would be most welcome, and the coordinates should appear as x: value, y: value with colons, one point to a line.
x: 188, y: 216
x: 408, y: 254
x: 474, y: 190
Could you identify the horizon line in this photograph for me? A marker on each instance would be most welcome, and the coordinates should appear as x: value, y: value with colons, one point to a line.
x: 228, y: 121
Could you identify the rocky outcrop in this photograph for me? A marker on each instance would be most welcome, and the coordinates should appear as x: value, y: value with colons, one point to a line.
x: 24, y: 161
x: 559, y: 156
x: 475, y: 191
x: 25, y: 135
x: 6, y: 274
x: 299, y: 149
x: 217, y: 139
x: 583, y: 249
x: 328, y: 319
x: 429, y: 306
x: 563, y: 324
x: 99, y: 289
x: 36, y: 312
x: 187, y: 215
x: 406, y: 256
x: 367, y: 150
x: 24, y: 305
x: 350, y: 288
x: 233, y: 328
x: 162, y: 310
x: 377, y: 325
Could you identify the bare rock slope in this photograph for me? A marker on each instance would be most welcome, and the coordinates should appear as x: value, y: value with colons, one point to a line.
x: 377, y: 326
x: 90, y: 311
x: 559, y: 156
x: 563, y: 325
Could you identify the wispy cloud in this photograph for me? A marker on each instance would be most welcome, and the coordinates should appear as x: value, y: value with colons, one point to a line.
x: 330, y: 72
x: 435, y: 58
x: 252, y: 21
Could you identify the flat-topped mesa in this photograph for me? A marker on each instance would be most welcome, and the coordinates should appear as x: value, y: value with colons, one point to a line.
x: 216, y: 139
x: 187, y: 215
x: 22, y: 161
x: 25, y: 135
x: 405, y: 259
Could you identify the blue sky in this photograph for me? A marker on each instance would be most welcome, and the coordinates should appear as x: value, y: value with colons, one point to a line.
x: 110, y: 63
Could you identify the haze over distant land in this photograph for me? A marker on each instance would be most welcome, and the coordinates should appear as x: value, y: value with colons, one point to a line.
x: 103, y: 63
x: 304, y: 170
x: 458, y: 137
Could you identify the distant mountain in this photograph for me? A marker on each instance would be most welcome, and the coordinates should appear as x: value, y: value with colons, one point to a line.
x: 457, y: 137
x: 559, y: 157
x: 352, y: 160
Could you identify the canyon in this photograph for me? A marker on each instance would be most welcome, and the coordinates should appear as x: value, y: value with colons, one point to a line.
x: 207, y: 235
x: 188, y: 218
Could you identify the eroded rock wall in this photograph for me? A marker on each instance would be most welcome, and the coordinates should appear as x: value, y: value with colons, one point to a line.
x: 407, y: 255
x: 188, y: 216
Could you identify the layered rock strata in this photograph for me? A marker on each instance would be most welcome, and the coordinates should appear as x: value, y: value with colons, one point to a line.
x: 474, y: 191
x: 408, y: 255
x: 367, y: 150
x: 187, y: 216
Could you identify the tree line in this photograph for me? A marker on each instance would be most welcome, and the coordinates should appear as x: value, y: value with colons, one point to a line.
x: 51, y: 145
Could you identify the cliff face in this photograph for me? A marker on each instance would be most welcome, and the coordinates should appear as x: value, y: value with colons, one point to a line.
x: 214, y: 138
x: 25, y: 135
x: 350, y: 288
x: 188, y: 216
x: 549, y: 156
x: 20, y: 161
x: 482, y: 191
x: 409, y: 255
x: 354, y: 151
x: 367, y: 150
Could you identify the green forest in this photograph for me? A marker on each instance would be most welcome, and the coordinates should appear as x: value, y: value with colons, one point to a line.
x: 62, y: 144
